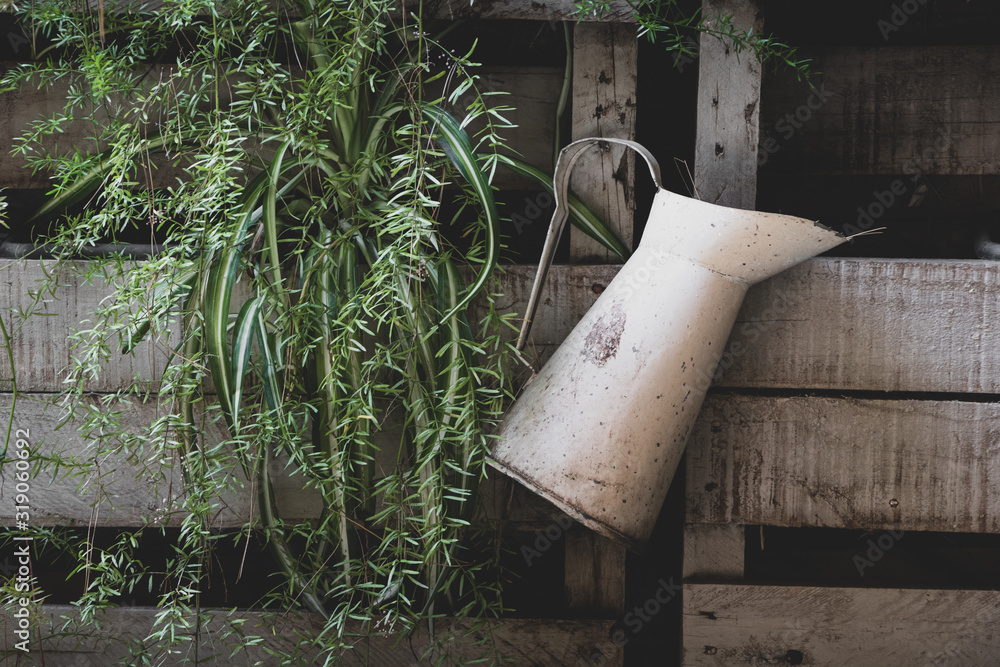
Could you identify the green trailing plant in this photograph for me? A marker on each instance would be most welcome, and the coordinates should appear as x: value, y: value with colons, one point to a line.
x: 312, y: 310
x: 326, y: 222
x: 667, y: 23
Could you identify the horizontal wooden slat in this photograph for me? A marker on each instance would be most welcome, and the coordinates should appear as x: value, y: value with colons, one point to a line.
x: 845, y: 463
x: 532, y: 91
x: 105, y: 488
x: 870, y: 324
x: 915, y: 465
x: 529, y: 642
x: 760, y: 625
x: 43, y: 345
x: 888, y: 110
x: 534, y: 10
x: 859, y: 324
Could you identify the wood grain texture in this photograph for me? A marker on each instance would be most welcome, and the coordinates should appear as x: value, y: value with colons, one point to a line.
x: 725, y: 154
x: 856, y: 324
x: 714, y: 550
x: 758, y: 625
x: 605, y: 75
x: 43, y: 344
x: 531, y: 10
x: 532, y: 91
x: 882, y: 325
x: 851, y: 324
x: 604, y: 105
x: 837, y: 462
x: 846, y: 463
x: 618, y: 11
x: 19, y: 110
x: 595, y: 573
x: 104, y: 488
x: 888, y: 110
x: 528, y: 641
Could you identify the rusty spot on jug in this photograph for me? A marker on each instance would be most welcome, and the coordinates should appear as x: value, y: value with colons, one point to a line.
x: 603, y: 340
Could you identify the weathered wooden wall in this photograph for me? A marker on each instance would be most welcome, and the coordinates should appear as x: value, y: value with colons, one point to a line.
x: 66, y: 643
x: 866, y: 400
x: 887, y: 110
x: 794, y: 434
x: 729, y: 625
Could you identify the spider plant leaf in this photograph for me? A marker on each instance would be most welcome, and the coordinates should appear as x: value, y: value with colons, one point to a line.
x: 580, y: 214
x: 243, y: 336
x: 456, y: 145
x: 87, y: 183
x: 219, y: 285
x: 271, y: 219
x: 82, y: 187
x: 271, y: 376
x: 270, y: 365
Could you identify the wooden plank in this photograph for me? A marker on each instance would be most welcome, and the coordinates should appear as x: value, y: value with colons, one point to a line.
x: 845, y: 463
x: 756, y: 625
x: 58, y: 639
x: 20, y: 109
x: 883, y: 325
x: 528, y: 641
x: 725, y: 153
x: 531, y: 10
x: 532, y: 91
x: 107, y: 489
x: 104, y: 488
x: 43, y: 345
x: 604, y: 105
x: 595, y: 573
x: 714, y: 551
x: 888, y: 110
x: 604, y: 96
x: 852, y: 324
x: 618, y: 11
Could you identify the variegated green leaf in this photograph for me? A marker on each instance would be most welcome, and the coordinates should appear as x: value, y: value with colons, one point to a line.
x: 243, y: 337
x: 580, y: 214
x: 456, y: 145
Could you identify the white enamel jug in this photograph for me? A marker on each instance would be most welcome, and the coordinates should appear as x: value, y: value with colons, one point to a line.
x: 600, y: 430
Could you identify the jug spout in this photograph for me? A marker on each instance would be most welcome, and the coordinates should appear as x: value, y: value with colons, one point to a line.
x: 746, y: 245
x: 600, y: 430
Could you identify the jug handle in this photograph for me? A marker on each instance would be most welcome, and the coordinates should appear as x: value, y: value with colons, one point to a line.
x: 560, y: 181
